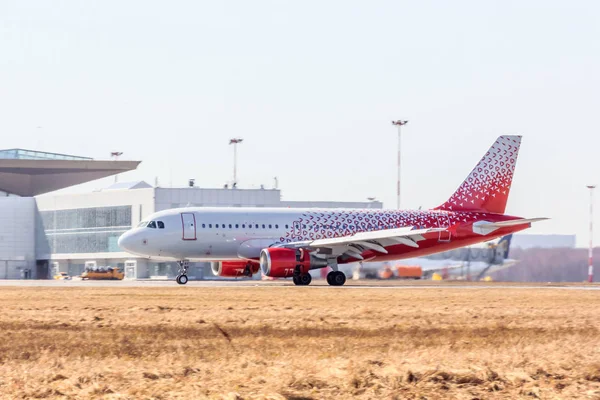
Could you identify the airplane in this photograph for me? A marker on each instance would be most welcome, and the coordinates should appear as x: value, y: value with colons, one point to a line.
x: 474, y: 261
x: 288, y: 242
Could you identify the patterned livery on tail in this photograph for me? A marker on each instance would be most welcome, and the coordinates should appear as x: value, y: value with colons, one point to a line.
x: 487, y: 187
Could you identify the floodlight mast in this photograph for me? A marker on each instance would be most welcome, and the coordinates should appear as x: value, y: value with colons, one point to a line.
x: 235, y: 142
x: 591, y: 248
x: 115, y: 156
x: 399, y: 124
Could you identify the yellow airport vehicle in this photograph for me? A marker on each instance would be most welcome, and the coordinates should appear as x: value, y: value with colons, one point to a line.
x: 61, y: 276
x: 436, y: 277
x: 100, y: 273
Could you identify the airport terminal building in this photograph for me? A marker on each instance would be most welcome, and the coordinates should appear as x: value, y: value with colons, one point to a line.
x: 43, y: 233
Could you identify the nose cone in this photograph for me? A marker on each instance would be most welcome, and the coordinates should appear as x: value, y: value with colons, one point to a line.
x: 135, y: 241
x: 125, y: 241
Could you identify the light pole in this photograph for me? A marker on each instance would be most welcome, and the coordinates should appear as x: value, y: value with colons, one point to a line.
x: 115, y: 156
x: 235, y: 142
x: 399, y: 124
x: 591, y: 249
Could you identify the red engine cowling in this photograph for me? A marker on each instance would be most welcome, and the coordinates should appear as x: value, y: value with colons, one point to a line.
x: 281, y: 263
x: 234, y: 269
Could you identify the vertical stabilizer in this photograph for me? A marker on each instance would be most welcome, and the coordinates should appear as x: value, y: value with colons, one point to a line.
x: 502, y: 249
x: 487, y: 187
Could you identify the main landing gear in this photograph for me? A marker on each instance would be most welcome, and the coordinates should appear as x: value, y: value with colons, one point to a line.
x: 182, y: 278
x: 302, y: 280
x: 336, y: 278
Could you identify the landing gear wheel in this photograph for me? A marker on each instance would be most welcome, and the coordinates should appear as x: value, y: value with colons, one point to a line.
x: 336, y: 278
x: 305, y: 279
x: 182, y: 278
x: 302, y: 280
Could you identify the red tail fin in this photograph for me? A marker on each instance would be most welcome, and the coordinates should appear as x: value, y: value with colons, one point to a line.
x: 488, y: 185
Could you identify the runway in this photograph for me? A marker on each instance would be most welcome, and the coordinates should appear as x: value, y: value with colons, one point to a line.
x: 400, y: 285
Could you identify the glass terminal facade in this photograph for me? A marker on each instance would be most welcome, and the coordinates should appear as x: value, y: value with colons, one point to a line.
x: 85, y: 230
x: 22, y: 154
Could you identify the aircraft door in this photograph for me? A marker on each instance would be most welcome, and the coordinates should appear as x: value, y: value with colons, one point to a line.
x: 297, y: 231
x: 188, y: 222
x: 444, y: 222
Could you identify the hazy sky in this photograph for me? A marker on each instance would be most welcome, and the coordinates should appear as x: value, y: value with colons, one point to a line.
x: 312, y: 87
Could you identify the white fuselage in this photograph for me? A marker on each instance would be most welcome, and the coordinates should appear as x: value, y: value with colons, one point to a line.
x: 220, y: 234
x: 216, y: 234
x: 233, y: 233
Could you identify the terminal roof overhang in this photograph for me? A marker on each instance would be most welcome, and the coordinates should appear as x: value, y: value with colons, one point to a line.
x: 33, y: 177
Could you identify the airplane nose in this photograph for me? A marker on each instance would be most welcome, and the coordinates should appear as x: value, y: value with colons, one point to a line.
x: 124, y: 240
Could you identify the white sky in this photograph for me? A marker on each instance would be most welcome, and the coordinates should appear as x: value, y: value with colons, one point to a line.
x: 312, y: 87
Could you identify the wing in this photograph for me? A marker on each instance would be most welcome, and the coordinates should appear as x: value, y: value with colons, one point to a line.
x: 355, y: 244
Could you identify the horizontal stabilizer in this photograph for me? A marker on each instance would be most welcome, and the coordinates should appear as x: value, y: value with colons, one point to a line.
x: 512, y: 222
x: 486, y: 227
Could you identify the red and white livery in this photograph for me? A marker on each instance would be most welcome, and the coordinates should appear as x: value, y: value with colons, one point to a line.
x: 291, y: 242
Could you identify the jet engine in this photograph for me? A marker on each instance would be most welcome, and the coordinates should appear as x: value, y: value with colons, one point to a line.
x: 279, y: 262
x: 234, y: 269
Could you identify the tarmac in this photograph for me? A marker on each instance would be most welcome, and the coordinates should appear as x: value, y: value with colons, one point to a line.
x: 317, y: 284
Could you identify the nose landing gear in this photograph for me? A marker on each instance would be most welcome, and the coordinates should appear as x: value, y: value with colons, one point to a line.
x: 182, y: 278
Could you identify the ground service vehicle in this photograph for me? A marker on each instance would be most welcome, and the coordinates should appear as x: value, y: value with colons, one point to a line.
x: 62, y: 276
x: 100, y: 273
x: 409, y: 272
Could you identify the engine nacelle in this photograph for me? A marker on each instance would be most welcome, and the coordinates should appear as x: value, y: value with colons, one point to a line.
x: 234, y: 269
x: 279, y: 262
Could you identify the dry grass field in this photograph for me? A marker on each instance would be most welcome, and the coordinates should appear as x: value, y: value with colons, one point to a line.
x: 298, y: 343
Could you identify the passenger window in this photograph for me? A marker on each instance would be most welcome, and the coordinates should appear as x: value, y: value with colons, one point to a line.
x: 286, y: 226
x: 152, y: 225
x: 256, y: 226
x: 276, y: 226
x: 161, y: 225
x: 204, y: 225
x: 270, y: 226
x: 263, y: 226
x: 210, y: 225
x: 236, y: 226
x: 244, y: 226
x: 303, y: 226
x: 229, y: 226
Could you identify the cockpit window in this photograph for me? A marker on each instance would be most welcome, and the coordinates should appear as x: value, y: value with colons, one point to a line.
x: 142, y: 224
x: 160, y: 224
x: 152, y: 224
